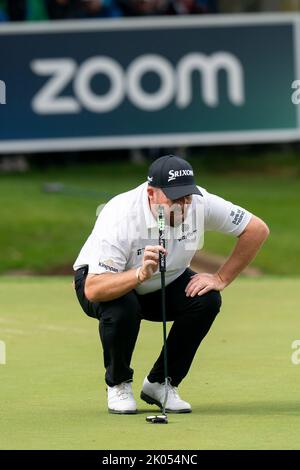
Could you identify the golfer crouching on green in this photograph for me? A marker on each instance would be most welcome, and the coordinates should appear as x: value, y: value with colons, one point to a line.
x: 117, y: 279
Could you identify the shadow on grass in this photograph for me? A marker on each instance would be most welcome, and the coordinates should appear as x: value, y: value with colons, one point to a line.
x: 249, y: 407
x: 254, y: 408
x: 235, y: 408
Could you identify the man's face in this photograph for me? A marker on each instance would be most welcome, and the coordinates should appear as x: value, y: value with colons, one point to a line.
x: 175, y: 210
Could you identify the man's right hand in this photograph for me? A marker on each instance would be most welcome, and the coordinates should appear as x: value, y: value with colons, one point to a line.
x: 150, y: 261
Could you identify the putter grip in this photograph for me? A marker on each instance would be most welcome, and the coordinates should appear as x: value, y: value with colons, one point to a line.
x: 161, y: 239
x: 162, y: 257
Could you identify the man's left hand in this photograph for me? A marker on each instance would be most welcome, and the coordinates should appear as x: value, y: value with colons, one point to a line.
x: 202, y: 283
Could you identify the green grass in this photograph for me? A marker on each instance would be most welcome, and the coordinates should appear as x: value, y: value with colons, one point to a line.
x: 40, y: 231
x: 243, y: 386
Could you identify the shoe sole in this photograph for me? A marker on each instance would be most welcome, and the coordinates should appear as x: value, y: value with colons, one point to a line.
x: 124, y: 412
x: 152, y: 401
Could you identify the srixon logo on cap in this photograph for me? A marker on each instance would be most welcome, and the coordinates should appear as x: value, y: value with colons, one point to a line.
x: 173, y: 174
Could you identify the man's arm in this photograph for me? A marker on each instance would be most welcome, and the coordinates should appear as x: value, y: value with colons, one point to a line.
x: 108, y: 286
x: 246, y: 248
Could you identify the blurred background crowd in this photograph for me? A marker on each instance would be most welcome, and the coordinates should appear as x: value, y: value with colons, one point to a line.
x: 35, y: 10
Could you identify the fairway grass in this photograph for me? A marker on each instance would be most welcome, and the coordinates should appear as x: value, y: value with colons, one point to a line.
x: 243, y: 387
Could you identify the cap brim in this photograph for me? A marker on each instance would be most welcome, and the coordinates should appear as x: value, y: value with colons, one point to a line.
x: 176, y: 192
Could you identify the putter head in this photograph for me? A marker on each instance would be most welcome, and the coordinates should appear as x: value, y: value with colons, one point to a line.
x: 159, y: 419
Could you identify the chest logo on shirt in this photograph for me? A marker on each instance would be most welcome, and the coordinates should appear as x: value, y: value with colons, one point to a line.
x: 188, y: 236
x: 139, y: 251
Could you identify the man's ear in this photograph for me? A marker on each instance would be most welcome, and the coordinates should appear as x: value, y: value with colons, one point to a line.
x: 150, y: 192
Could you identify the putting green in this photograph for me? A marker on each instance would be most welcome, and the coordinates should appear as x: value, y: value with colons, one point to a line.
x: 243, y: 386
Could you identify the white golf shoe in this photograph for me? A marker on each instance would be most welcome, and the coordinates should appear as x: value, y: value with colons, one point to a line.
x: 154, y: 394
x: 120, y: 399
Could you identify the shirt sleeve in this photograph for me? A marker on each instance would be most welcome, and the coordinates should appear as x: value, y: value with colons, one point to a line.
x: 224, y: 216
x: 106, y: 256
x: 106, y: 250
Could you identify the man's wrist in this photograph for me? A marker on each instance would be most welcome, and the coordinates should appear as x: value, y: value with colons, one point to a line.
x: 221, y: 278
x: 137, y: 275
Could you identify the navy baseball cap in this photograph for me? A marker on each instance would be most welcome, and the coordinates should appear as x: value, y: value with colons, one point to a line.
x: 174, y: 176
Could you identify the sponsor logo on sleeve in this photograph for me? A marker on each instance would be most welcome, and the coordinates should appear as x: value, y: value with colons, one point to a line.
x: 108, y: 265
x: 237, y: 216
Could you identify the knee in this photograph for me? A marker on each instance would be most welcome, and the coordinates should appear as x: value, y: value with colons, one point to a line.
x: 123, y: 311
x: 213, y: 302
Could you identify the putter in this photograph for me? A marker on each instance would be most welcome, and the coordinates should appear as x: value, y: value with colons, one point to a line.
x: 162, y: 419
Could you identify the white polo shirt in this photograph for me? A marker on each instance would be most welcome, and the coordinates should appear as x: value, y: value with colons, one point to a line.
x: 126, y: 226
